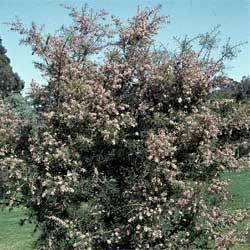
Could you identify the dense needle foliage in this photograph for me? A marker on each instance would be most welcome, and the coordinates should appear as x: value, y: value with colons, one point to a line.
x: 10, y: 82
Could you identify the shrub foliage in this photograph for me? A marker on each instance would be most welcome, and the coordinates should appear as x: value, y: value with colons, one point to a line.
x: 128, y: 152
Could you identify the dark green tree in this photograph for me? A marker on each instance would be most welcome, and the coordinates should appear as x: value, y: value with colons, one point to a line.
x: 10, y: 81
x: 243, y: 89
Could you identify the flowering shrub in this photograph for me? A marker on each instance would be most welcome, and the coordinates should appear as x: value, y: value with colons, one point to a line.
x: 234, y: 126
x: 128, y: 154
x: 9, y: 125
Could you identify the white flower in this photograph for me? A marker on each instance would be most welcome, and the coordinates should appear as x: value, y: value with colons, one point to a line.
x: 179, y: 100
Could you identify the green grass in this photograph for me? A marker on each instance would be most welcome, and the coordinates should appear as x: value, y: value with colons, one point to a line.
x: 16, y: 237
x: 12, y: 235
x: 239, y: 187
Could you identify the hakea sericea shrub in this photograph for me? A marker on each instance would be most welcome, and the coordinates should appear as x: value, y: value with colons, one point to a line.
x: 127, y: 153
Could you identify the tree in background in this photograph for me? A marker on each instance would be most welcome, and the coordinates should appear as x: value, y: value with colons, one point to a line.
x: 10, y: 82
x: 243, y: 89
x: 240, y: 91
x: 128, y: 152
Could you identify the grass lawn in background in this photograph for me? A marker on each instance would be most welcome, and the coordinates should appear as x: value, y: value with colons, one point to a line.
x: 16, y: 237
x: 239, y: 187
x: 13, y: 236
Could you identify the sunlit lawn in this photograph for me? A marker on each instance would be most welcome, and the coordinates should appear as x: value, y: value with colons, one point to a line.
x: 240, y: 189
x: 16, y: 237
x: 12, y: 235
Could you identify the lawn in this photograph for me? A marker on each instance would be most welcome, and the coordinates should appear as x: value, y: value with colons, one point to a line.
x: 13, y: 236
x: 240, y: 189
x: 16, y: 237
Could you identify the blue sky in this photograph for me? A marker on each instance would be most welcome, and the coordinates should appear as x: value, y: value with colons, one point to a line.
x: 186, y: 16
